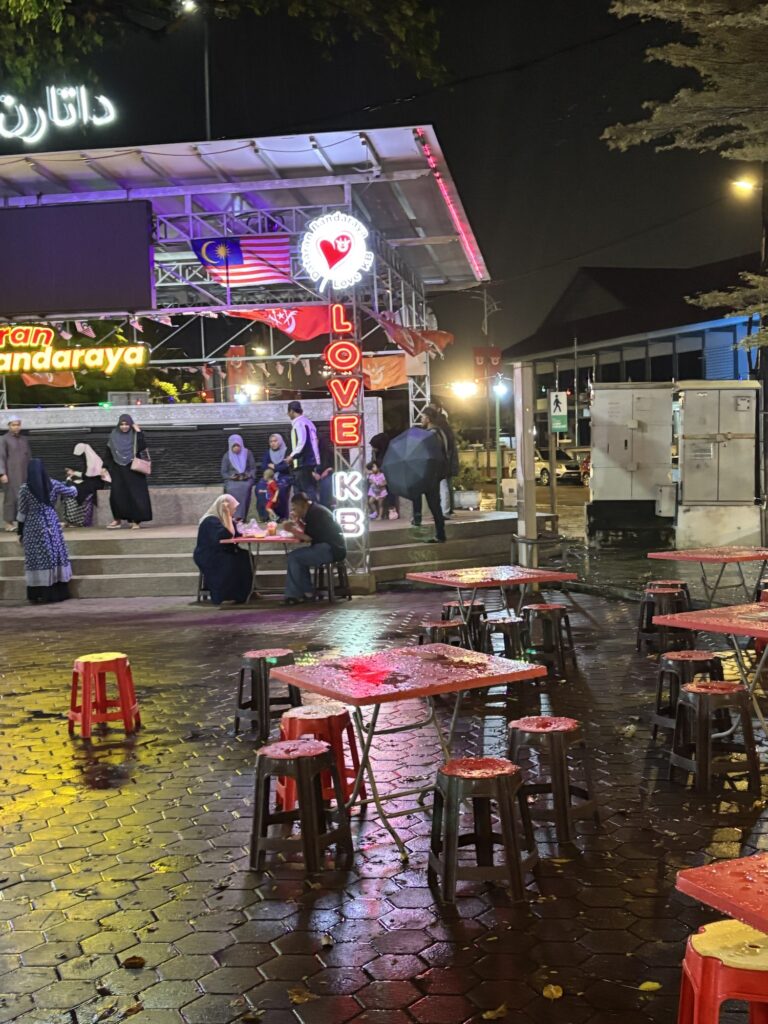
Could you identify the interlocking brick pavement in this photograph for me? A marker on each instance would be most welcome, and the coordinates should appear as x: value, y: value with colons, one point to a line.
x: 137, y: 847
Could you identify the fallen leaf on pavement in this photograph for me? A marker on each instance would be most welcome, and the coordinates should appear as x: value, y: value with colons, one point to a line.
x: 253, y: 1015
x: 497, y: 1014
x: 552, y: 992
x: 650, y: 986
x: 301, y: 995
x: 133, y: 962
x: 132, y: 1010
x: 326, y: 941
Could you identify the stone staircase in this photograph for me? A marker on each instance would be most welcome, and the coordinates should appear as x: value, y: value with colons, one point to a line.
x: 158, y: 562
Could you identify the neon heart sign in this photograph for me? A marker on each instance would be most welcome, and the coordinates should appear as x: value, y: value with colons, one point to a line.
x: 334, y: 250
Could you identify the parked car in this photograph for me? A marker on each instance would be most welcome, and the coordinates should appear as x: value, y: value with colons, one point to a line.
x: 567, y: 469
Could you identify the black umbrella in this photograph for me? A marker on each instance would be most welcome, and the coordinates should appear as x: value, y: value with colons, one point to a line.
x: 413, y: 463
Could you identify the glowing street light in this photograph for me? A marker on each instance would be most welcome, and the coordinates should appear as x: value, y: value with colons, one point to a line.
x: 745, y: 187
x: 464, y: 388
x: 188, y: 6
x: 500, y: 389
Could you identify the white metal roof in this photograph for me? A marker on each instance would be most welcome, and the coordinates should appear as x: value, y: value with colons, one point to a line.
x: 398, y: 176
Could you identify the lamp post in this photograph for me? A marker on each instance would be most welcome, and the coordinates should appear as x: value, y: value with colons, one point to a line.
x: 746, y: 187
x: 499, y: 390
x: 190, y: 7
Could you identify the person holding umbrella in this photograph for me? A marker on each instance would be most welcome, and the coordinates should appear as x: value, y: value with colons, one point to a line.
x: 414, y: 465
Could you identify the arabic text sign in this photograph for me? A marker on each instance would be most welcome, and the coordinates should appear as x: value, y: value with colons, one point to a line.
x: 558, y: 412
x: 65, y: 107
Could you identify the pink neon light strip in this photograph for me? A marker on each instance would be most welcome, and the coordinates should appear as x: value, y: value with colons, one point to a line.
x: 466, y: 245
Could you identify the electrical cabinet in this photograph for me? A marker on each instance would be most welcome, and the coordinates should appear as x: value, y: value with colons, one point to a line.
x: 718, y: 424
x: 631, y: 441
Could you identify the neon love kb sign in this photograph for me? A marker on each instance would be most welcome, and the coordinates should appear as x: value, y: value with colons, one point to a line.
x: 342, y: 355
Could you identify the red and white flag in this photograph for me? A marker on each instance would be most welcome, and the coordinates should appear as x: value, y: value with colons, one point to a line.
x: 83, y: 327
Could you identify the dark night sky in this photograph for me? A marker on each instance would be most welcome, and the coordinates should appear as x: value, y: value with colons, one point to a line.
x: 523, y: 146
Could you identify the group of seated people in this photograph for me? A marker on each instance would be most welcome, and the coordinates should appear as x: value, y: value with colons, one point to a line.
x: 227, y: 569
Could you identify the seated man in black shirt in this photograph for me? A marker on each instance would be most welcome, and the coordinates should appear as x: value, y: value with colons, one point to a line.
x: 316, y: 524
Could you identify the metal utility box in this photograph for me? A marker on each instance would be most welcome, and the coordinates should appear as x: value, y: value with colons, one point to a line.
x: 718, y: 434
x: 631, y: 441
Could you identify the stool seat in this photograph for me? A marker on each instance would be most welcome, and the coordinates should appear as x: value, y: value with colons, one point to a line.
x: 88, y: 702
x: 281, y: 749
x: 483, y: 781
x: 452, y: 624
x: 269, y: 653
x: 479, y: 767
x: 456, y: 606
x: 556, y: 736
x: 504, y: 620
x: 328, y: 709
x: 662, y: 590
x: 545, y: 723
x: 330, y: 723
x: 303, y: 761
x: 724, y: 960
x: 734, y: 944
x: 689, y: 655
x: 675, y: 584
x: 713, y: 686
x: 547, y: 606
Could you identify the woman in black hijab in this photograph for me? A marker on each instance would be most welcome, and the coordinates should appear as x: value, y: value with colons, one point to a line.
x: 129, y: 493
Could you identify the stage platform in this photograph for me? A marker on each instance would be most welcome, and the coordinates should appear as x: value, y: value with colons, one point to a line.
x: 157, y: 562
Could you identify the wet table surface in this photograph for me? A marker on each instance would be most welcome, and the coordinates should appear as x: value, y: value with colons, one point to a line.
x: 714, y: 555
x: 736, y: 887
x: 403, y: 673
x: 732, y: 620
x: 490, y: 576
x: 262, y: 538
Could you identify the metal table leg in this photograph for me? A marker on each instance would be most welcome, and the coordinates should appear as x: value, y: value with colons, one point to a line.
x: 710, y: 592
x: 752, y: 684
x: 365, y: 734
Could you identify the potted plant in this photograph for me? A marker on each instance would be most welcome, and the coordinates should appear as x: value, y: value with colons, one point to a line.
x: 467, y: 488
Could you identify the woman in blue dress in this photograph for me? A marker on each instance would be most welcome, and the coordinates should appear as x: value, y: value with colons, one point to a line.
x: 46, y: 560
x: 238, y: 471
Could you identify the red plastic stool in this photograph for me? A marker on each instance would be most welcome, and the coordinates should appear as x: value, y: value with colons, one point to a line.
x: 330, y: 722
x: 724, y: 960
x: 673, y: 584
x: 89, y: 686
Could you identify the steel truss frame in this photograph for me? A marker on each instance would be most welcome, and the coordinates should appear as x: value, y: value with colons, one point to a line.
x: 226, y: 209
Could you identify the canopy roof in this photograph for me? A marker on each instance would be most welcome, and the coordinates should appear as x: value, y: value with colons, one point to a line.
x: 396, y: 177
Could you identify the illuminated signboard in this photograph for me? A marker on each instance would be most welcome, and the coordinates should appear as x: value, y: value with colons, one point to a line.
x: 65, y: 107
x: 343, y: 355
x: 29, y: 349
x: 334, y: 250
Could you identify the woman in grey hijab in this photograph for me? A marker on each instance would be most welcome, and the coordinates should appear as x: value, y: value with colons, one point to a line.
x: 129, y: 492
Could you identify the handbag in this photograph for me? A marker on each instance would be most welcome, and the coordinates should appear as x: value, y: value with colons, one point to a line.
x: 138, y: 465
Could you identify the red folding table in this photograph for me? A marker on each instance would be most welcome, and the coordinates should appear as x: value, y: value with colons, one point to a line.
x: 723, y: 557
x: 738, y: 888
x: 494, y: 577
x: 734, y: 622
x: 398, y: 674
x: 254, y: 542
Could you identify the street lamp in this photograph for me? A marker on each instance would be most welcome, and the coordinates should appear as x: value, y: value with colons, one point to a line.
x: 744, y: 187
x: 500, y: 389
x: 191, y: 8
x: 464, y: 388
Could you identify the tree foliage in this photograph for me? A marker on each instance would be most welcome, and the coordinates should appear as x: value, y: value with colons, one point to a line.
x: 722, y: 44
x: 41, y: 35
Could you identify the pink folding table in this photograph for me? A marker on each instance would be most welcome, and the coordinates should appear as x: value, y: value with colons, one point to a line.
x: 736, y: 556
x: 493, y: 577
x: 734, y: 622
x: 253, y: 541
x: 738, y: 888
x: 399, y: 674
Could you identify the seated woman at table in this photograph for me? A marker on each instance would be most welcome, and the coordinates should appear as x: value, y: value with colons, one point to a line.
x: 226, y: 568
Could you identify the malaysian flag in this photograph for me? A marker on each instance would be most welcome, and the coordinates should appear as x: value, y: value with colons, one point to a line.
x: 83, y: 327
x: 249, y: 260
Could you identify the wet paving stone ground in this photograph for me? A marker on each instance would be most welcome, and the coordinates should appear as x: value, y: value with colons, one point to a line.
x: 129, y: 848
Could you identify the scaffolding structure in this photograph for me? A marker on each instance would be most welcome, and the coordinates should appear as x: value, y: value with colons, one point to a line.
x: 395, y: 181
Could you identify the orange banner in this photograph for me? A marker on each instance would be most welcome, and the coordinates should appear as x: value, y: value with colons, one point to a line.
x: 51, y: 380
x: 382, y: 372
